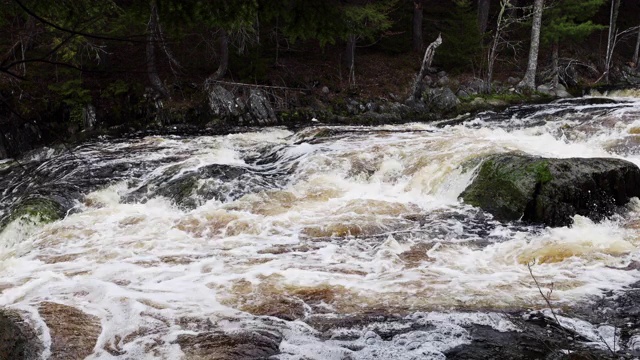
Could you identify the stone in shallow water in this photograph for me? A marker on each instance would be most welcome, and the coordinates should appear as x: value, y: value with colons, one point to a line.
x: 73, y: 333
x: 551, y: 191
x: 244, y: 345
x: 18, y: 339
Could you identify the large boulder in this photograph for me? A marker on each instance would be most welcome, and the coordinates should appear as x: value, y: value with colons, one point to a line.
x: 551, y: 191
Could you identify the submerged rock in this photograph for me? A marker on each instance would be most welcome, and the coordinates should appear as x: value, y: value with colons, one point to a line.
x: 36, y: 209
x: 551, y: 191
x: 216, y: 181
x: 73, y: 333
x: 230, y: 346
x: 18, y: 339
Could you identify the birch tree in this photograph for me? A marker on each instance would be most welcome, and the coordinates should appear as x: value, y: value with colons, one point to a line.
x: 568, y: 20
x: 611, y: 38
x: 529, y: 80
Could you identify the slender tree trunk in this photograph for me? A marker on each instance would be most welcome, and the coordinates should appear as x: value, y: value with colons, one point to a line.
x: 635, y: 53
x: 483, y: 15
x: 424, y: 68
x: 529, y: 80
x: 613, y: 19
x: 417, y: 25
x: 492, y: 54
x: 152, y: 70
x: 224, y: 59
x: 350, y: 58
x: 556, y: 66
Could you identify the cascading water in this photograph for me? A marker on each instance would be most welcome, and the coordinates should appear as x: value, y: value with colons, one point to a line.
x: 330, y: 243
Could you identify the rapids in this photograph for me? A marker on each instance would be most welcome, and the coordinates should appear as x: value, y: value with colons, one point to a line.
x: 324, y: 223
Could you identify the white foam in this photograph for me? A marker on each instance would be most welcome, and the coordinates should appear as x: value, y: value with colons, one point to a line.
x: 341, y: 233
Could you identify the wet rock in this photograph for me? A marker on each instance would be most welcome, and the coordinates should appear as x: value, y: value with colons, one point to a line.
x: 243, y: 345
x: 18, y: 339
x: 551, y: 191
x: 37, y: 209
x: 538, y: 339
x: 260, y: 108
x: 73, y: 333
x: 442, y: 99
x: 193, y: 188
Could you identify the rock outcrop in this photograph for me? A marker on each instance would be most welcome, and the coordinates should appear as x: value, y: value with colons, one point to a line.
x: 254, y: 110
x: 551, y: 191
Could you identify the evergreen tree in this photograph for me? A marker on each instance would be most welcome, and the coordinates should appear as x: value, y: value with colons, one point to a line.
x: 568, y: 20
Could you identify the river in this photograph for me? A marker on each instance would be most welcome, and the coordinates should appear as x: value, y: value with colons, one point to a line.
x: 285, y: 233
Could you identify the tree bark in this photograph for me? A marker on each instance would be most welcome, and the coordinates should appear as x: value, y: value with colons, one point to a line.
x: 424, y: 68
x: 613, y: 19
x: 529, y: 80
x: 492, y: 54
x: 635, y: 53
x: 224, y: 60
x: 483, y: 15
x: 556, y: 66
x: 417, y: 25
x: 350, y: 58
x: 152, y: 70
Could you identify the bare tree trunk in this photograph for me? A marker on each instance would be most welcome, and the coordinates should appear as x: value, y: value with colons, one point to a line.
x: 529, y: 80
x: 350, y: 59
x: 492, y: 55
x: 152, y: 71
x: 224, y: 60
x: 635, y: 53
x: 417, y: 25
x: 613, y: 19
x: 483, y: 15
x: 556, y: 66
x: 424, y: 68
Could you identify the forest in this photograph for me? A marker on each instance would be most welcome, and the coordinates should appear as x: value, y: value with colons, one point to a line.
x: 65, y: 63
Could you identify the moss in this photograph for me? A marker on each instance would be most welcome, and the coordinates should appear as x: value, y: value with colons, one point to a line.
x: 504, y: 185
x: 40, y: 210
x: 541, y: 171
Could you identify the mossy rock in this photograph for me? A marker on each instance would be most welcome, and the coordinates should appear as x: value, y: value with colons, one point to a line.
x: 551, y: 191
x: 36, y: 209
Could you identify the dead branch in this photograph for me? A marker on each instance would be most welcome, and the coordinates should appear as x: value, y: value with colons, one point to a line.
x: 424, y: 68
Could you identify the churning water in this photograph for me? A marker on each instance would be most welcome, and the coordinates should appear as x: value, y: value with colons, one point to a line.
x: 325, y: 223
